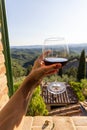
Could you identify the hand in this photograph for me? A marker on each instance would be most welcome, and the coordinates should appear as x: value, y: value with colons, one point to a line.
x: 40, y: 70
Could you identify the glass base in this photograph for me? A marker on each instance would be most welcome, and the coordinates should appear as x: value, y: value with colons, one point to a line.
x: 56, y: 87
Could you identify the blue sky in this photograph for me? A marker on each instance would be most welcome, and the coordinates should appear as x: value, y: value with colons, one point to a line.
x: 32, y: 21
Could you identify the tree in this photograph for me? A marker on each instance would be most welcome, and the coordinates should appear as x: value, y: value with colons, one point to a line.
x: 81, y: 73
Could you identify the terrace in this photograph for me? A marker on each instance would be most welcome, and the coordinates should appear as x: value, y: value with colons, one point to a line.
x: 38, y: 122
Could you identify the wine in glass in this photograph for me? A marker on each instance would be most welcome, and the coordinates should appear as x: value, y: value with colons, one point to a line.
x: 59, y: 54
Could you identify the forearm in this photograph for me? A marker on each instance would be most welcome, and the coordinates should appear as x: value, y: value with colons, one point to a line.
x: 12, y: 114
x: 29, y: 84
x: 15, y: 109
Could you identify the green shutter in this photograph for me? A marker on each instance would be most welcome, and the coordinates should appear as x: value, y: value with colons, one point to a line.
x: 5, y: 41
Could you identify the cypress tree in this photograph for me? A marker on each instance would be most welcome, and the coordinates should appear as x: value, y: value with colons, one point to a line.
x: 81, y: 73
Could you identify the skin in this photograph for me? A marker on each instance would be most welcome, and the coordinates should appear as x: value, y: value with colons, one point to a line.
x: 12, y: 114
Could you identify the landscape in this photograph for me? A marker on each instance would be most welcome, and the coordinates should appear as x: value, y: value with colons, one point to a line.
x: 22, y: 59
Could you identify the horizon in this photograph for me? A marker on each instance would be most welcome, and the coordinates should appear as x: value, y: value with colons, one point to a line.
x: 42, y: 44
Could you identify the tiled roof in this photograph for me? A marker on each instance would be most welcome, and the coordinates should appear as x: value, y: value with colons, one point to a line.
x: 68, y: 97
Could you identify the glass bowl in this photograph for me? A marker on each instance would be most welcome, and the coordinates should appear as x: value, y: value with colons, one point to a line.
x: 56, y: 87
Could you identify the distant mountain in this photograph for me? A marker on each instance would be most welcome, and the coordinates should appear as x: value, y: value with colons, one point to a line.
x: 27, y: 47
x: 40, y: 46
x: 77, y: 48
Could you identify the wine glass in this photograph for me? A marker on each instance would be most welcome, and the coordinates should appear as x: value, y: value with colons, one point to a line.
x: 59, y: 54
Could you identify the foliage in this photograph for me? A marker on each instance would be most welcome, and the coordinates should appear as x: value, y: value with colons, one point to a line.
x: 37, y: 105
x: 17, y: 84
x: 17, y: 69
x: 71, y: 72
x: 81, y: 73
x: 77, y: 87
x: 22, y: 60
x: 28, y: 70
x: 64, y: 78
x: 84, y: 87
x: 24, y: 56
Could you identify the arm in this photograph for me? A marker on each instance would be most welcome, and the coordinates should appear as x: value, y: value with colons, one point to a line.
x: 12, y: 114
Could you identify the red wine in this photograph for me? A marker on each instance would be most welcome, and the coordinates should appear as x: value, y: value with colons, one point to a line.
x: 52, y: 60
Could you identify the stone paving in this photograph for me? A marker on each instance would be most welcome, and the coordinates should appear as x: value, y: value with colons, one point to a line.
x: 55, y: 123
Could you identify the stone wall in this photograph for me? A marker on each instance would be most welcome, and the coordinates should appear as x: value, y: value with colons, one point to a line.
x: 3, y: 79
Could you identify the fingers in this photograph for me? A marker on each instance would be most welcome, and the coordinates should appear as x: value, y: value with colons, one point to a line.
x: 52, y: 72
x: 47, y: 70
x: 53, y: 67
x: 44, y: 54
x: 39, y: 62
x: 42, y: 63
x: 39, y: 73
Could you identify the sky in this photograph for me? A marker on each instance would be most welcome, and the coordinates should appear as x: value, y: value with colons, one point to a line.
x: 30, y: 22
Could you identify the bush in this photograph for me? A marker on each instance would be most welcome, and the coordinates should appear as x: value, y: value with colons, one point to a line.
x: 84, y: 87
x: 16, y: 86
x: 77, y: 87
x: 37, y: 105
x: 17, y: 83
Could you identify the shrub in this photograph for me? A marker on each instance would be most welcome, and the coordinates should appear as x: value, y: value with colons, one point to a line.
x: 17, y: 83
x: 77, y: 87
x: 84, y: 87
x: 16, y: 86
x: 37, y: 105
